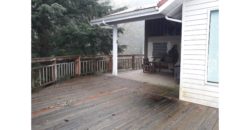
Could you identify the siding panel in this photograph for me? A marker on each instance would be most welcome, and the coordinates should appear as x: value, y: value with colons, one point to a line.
x: 201, y: 6
x: 195, y: 25
x: 195, y: 22
x: 199, y: 62
x: 197, y: 52
x: 194, y: 37
x: 195, y: 17
x: 195, y: 76
x: 195, y: 2
x: 192, y: 71
x: 196, y: 32
x: 204, y: 42
x: 194, y: 47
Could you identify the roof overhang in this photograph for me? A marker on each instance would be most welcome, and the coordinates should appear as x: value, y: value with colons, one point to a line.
x: 171, y: 8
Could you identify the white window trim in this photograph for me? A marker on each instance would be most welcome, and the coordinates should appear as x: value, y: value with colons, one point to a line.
x: 207, y: 50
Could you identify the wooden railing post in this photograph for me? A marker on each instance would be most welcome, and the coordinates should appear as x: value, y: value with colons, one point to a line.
x: 54, y: 71
x: 133, y: 62
x: 78, y: 66
x: 110, y: 64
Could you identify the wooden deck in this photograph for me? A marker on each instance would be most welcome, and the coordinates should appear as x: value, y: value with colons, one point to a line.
x: 106, y: 102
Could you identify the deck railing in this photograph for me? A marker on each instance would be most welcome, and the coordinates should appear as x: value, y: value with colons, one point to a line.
x: 52, y: 69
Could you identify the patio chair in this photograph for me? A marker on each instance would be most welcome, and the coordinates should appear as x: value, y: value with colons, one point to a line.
x: 148, y: 66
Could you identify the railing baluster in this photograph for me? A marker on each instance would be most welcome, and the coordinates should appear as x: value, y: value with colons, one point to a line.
x: 81, y: 67
x: 40, y: 77
x: 46, y: 76
x: 64, y: 70
x: 49, y: 74
x: 58, y: 72
x: 84, y: 67
x: 89, y: 66
x: 61, y: 71
x: 73, y: 68
x: 73, y: 65
x: 43, y: 76
x: 70, y: 69
x: 97, y: 66
x: 93, y: 66
x: 101, y: 62
x: 67, y: 69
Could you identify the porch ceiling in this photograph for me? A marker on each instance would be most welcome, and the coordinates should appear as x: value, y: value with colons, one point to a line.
x: 171, y: 8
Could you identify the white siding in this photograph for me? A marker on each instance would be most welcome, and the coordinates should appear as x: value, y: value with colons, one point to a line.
x: 194, y: 48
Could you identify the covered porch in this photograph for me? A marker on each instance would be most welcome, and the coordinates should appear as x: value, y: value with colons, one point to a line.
x: 162, y: 30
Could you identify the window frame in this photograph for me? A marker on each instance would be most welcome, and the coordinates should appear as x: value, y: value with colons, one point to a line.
x: 215, y: 84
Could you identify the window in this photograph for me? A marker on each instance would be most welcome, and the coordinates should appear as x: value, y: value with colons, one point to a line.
x: 213, y: 48
x: 159, y: 49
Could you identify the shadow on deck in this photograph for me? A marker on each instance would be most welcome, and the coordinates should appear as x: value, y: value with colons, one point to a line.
x: 162, y: 78
x: 107, y: 102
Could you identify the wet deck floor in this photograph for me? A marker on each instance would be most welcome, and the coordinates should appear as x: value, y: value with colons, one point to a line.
x: 159, y: 78
x: 107, y: 102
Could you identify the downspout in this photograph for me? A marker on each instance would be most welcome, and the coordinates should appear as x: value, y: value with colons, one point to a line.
x: 174, y: 20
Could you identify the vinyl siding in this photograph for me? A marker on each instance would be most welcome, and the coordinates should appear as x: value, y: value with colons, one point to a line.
x: 194, y: 53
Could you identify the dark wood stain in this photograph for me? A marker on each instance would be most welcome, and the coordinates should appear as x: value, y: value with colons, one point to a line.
x: 106, y: 102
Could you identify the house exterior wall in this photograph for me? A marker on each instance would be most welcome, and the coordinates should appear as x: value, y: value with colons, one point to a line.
x: 195, y: 33
x: 170, y: 40
x: 132, y: 37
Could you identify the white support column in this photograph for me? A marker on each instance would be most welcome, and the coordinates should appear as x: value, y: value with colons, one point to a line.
x: 115, y: 50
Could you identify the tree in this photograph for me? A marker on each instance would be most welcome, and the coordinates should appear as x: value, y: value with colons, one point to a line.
x: 61, y: 27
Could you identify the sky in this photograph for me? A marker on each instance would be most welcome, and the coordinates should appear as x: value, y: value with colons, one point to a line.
x: 131, y: 3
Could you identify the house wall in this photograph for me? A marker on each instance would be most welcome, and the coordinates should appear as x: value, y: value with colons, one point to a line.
x: 132, y: 37
x: 170, y: 40
x: 195, y: 33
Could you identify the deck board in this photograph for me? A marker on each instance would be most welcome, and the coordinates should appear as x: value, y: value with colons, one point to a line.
x: 107, y: 102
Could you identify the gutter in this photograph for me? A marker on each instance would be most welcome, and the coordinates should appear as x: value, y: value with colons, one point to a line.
x: 172, y: 19
x: 128, y: 16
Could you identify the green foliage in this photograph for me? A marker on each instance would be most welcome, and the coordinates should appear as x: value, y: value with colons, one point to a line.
x: 61, y: 27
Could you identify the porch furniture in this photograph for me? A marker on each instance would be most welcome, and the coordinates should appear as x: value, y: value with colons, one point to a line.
x: 165, y: 62
x: 168, y: 60
x: 148, y: 66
